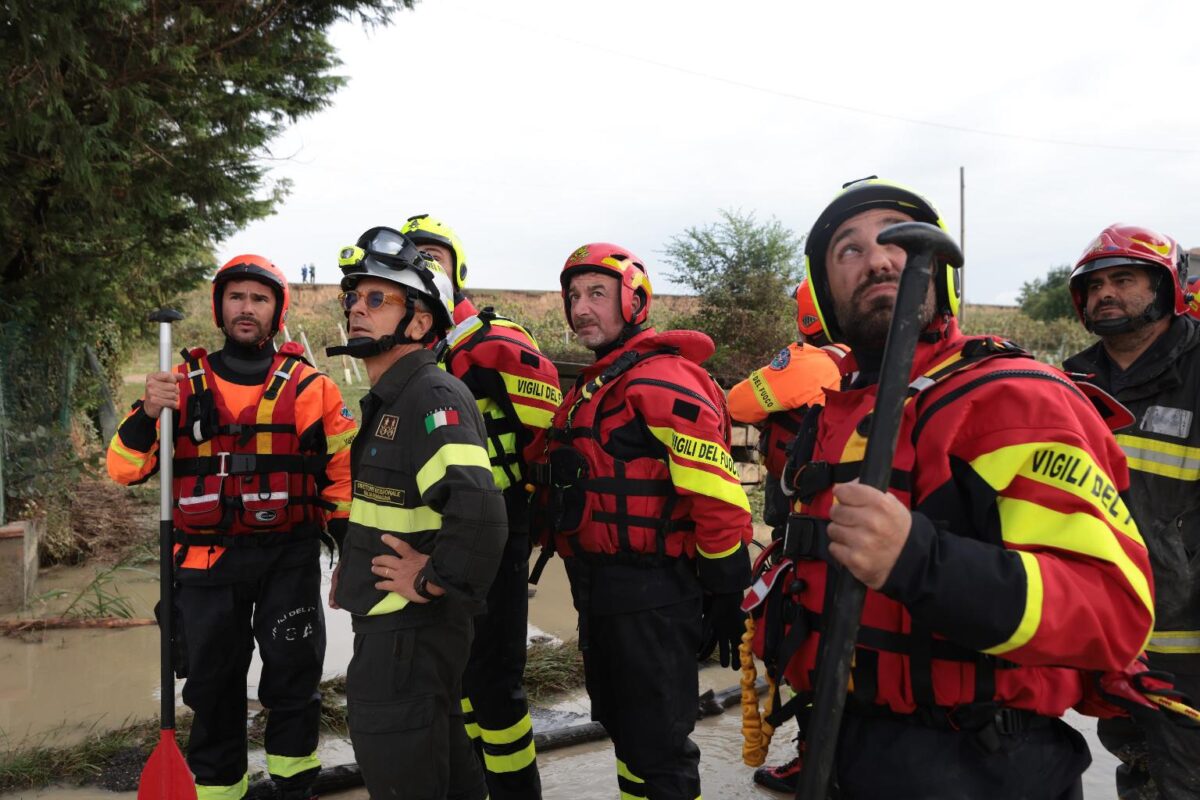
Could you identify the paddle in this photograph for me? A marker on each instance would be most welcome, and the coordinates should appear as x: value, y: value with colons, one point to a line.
x: 166, y: 775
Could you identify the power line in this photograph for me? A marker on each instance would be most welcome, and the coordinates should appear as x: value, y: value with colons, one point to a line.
x: 837, y: 106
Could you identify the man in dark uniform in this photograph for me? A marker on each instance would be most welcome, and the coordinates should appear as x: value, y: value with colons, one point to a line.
x: 1129, y: 289
x: 426, y: 530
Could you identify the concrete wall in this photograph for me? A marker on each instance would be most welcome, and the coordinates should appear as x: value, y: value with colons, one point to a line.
x: 18, y: 563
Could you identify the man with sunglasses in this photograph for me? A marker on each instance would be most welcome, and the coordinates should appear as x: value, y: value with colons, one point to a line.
x: 517, y: 391
x: 427, y: 529
x: 261, y: 472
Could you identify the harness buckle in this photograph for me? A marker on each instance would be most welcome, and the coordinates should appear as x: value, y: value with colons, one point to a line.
x: 223, y: 464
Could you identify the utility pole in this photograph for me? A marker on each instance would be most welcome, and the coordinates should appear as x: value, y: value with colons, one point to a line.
x: 962, y: 240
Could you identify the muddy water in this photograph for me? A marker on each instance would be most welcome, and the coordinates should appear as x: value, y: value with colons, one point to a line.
x: 101, y: 678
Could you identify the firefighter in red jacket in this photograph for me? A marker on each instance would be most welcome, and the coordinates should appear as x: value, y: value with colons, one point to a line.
x: 261, y: 474
x: 647, y: 510
x: 516, y: 389
x: 1002, y: 565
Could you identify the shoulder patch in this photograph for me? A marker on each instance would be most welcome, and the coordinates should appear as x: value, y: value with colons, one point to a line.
x: 347, y: 413
x: 439, y: 418
x: 782, y: 358
x: 686, y: 410
x: 388, y: 423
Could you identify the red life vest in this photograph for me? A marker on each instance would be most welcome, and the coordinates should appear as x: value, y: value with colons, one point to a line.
x: 246, y: 476
x: 897, y: 665
x: 616, y: 498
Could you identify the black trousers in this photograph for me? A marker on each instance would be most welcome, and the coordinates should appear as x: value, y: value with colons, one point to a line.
x: 641, y: 677
x: 403, y: 695
x: 889, y: 757
x: 282, y: 611
x: 1159, y: 759
x: 494, y: 702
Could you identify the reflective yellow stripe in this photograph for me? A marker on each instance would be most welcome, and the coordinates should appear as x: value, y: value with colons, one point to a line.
x: 1063, y: 467
x: 234, y: 791
x: 721, y: 554
x: 450, y: 455
x: 519, y: 386
x: 763, y: 392
x: 1161, y: 458
x: 510, y: 734
x: 389, y: 604
x: 287, y: 766
x: 509, y: 762
x: 534, y: 417
x: 1026, y: 523
x: 136, y: 459
x: 1031, y: 617
x: 726, y: 488
x: 623, y: 772
x: 394, y: 520
x: 340, y: 441
x: 1174, y: 642
x: 469, y: 710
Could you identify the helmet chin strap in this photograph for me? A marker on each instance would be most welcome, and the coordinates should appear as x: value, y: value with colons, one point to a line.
x: 1155, y: 310
x: 366, y: 347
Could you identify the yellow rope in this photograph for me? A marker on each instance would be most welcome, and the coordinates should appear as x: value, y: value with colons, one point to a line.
x: 756, y: 731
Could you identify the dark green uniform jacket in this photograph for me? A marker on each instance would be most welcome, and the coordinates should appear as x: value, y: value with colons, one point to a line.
x: 420, y: 471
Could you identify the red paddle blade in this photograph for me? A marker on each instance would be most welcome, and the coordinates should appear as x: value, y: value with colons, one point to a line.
x: 166, y: 775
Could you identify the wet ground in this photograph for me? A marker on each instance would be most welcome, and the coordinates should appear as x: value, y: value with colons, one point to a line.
x: 69, y: 682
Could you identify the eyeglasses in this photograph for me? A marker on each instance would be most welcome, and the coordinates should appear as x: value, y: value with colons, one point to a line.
x: 374, y: 299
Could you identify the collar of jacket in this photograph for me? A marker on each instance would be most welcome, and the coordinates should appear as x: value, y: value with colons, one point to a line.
x: 948, y: 336
x: 692, y: 345
x: 391, y: 384
x: 1154, y: 371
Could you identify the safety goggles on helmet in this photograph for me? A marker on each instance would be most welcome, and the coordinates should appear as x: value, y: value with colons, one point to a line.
x: 376, y: 298
x: 387, y: 254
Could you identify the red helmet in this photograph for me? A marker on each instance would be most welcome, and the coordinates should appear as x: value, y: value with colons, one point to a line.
x: 807, y: 318
x: 1120, y: 245
x: 618, y: 262
x: 253, y: 268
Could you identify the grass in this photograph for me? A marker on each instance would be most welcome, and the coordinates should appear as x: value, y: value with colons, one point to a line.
x: 551, y: 669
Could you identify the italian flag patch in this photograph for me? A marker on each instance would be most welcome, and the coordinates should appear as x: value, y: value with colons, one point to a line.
x: 443, y: 416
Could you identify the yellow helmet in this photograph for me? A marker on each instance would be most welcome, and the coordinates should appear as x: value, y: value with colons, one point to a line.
x: 424, y: 228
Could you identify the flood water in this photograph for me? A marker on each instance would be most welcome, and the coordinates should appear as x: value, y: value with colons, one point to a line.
x: 68, y: 682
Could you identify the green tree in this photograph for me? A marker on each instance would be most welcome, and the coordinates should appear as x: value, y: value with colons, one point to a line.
x: 132, y: 139
x: 1048, y: 298
x: 743, y: 273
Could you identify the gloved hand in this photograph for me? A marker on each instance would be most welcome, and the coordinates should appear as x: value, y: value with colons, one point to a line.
x: 723, y: 623
x: 1128, y: 692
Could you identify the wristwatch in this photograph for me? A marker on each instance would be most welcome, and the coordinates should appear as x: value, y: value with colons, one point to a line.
x: 421, y: 587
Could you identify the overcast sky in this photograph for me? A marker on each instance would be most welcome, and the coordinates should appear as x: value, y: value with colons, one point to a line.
x: 533, y: 126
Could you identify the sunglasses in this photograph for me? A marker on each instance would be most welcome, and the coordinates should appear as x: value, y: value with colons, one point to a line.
x: 374, y: 299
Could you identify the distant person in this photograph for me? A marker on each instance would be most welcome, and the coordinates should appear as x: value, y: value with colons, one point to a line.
x: 426, y: 532
x: 649, y: 515
x: 1129, y: 288
x: 312, y: 274
x: 516, y: 388
x: 998, y: 579
x: 262, y: 471
x: 304, y: 273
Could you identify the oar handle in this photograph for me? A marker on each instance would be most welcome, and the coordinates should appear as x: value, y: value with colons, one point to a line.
x: 166, y: 573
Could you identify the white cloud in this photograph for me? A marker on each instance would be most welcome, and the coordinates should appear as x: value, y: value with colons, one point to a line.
x: 534, y: 126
